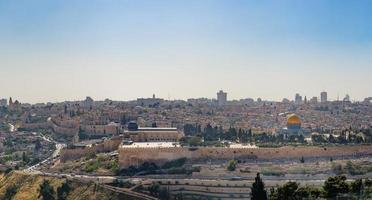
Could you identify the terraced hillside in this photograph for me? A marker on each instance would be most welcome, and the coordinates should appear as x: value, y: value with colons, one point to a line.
x: 19, y: 186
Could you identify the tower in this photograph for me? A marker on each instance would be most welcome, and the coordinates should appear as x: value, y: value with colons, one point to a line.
x: 11, y: 104
x: 323, y: 97
x: 221, y: 98
x: 298, y: 99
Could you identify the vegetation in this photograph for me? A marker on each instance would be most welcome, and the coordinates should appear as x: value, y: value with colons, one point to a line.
x: 356, y: 186
x: 10, y: 192
x: 212, y: 134
x: 272, y: 171
x: 193, y: 141
x: 245, y: 170
x: 258, y: 189
x: 46, y: 191
x: 21, y: 186
x: 300, y: 170
x: 232, y: 165
x: 145, y: 167
x: 24, y: 149
x: 292, y: 191
x: 351, y: 168
x: 63, y: 191
x: 156, y: 191
x: 172, y: 167
x: 175, y: 163
x: 102, y: 162
x: 122, y: 184
x: 333, y: 188
x: 4, y: 127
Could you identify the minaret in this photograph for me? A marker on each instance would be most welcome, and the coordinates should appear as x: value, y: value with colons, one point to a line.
x: 10, y: 103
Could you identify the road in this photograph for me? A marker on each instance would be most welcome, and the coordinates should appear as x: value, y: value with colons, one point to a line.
x: 54, y: 155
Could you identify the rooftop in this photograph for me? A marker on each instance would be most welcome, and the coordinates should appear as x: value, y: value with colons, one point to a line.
x: 152, y: 145
x: 155, y: 129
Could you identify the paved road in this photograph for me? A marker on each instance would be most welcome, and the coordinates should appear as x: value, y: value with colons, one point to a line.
x: 55, y: 154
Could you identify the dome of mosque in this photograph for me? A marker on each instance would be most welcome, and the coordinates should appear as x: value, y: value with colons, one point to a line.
x: 293, y: 121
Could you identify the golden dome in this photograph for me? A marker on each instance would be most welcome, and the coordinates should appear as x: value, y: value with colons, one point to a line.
x: 293, y: 119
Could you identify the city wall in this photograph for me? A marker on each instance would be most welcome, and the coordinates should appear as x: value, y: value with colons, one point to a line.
x: 77, y: 153
x: 41, y: 125
x: 63, y: 130
x: 137, y: 156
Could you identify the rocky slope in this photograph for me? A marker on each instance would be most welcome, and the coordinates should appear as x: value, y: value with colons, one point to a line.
x: 27, y: 188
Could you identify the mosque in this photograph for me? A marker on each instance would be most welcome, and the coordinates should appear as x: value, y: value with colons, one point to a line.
x: 293, y: 122
x: 293, y: 126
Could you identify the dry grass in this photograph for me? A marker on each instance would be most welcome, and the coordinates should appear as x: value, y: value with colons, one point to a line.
x: 28, y: 188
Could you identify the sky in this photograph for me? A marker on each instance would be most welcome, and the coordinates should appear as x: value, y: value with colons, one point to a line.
x: 123, y: 49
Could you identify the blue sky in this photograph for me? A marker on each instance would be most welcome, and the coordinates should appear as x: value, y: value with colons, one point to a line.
x: 66, y: 50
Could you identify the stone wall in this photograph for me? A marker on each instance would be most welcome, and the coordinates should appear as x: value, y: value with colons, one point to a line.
x: 151, y: 136
x: 77, y: 153
x: 32, y: 126
x: 68, y: 130
x: 137, y: 156
x: 101, y: 129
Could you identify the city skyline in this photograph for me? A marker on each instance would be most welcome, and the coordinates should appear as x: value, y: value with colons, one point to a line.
x: 56, y: 51
x: 192, y: 99
x: 302, y: 99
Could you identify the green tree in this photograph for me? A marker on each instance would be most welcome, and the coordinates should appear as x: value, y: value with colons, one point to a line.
x: 63, y: 190
x: 356, y: 186
x: 288, y: 190
x: 258, y: 189
x: 335, y: 185
x: 10, y: 192
x: 46, y: 191
x: 190, y: 129
x: 37, y: 145
x: 232, y: 165
x: 368, y: 182
x: 25, y: 158
x: 194, y: 141
x: 154, y: 189
x: 292, y: 191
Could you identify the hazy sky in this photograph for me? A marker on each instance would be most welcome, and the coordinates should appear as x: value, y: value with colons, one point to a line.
x: 66, y: 50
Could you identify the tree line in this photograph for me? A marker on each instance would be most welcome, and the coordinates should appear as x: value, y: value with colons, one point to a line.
x: 333, y: 188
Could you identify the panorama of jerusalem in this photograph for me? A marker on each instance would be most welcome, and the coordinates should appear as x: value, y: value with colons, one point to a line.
x: 185, y: 100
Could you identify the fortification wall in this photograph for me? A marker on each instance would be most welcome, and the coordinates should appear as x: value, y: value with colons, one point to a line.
x: 106, y: 146
x: 137, y: 156
x: 101, y: 129
x: 57, y: 129
x: 40, y: 125
x: 65, y: 131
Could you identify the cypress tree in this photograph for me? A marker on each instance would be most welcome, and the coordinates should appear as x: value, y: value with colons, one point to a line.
x: 258, y: 189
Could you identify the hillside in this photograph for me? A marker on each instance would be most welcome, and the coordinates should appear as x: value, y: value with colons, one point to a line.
x: 27, y: 188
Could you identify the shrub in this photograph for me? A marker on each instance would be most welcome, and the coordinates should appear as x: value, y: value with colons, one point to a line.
x: 174, y: 163
x: 232, y: 165
x: 10, y: 192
